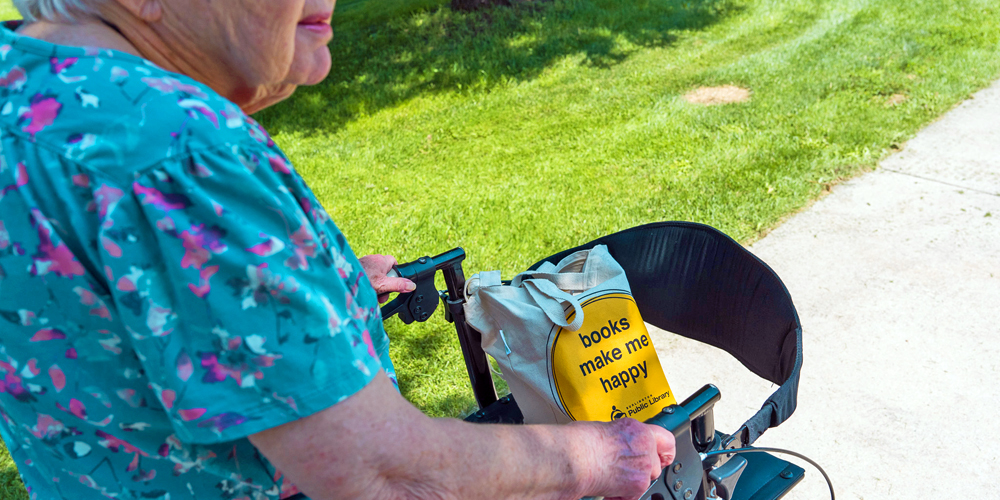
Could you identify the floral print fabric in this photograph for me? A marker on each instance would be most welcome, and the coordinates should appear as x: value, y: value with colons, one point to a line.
x: 168, y: 284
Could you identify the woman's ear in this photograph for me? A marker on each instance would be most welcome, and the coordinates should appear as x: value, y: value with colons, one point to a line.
x: 149, y: 11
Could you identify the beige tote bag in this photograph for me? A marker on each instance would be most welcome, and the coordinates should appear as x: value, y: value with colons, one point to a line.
x: 569, y: 340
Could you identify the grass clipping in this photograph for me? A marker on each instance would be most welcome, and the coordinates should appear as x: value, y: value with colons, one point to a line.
x: 710, y: 96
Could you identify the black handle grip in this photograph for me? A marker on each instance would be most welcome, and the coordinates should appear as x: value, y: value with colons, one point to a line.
x: 683, y: 479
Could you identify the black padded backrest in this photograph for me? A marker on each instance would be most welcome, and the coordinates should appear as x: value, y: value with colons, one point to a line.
x: 695, y: 281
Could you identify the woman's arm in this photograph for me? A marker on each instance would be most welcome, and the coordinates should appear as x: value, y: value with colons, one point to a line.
x: 376, y: 445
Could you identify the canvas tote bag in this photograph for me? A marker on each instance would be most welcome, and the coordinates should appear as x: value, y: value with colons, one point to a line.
x: 569, y: 340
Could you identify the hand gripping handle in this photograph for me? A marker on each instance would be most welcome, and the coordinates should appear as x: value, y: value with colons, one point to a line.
x: 682, y: 480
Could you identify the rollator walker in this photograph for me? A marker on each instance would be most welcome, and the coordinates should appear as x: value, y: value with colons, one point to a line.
x: 694, y: 281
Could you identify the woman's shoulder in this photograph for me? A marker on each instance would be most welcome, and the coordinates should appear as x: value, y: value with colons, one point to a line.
x: 110, y: 111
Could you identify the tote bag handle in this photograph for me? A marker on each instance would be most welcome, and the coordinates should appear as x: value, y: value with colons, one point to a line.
x: 552, y: 301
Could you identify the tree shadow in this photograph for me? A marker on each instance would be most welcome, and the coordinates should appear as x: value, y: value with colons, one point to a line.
x: 382, y: 59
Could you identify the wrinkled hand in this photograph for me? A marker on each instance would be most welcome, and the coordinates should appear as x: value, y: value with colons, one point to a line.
x: 376, y: 266
x: 639, y: 452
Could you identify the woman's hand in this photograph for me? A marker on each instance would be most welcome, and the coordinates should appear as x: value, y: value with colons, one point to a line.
x: 376, y: 267
x: 637, y: 454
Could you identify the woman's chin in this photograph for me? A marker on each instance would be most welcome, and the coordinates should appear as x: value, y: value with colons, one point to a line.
x: 312, y: 70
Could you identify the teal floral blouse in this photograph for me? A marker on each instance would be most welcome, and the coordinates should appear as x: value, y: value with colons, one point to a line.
x: 168, y: 284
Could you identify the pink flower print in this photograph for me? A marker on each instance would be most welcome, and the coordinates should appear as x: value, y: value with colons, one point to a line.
x: 40, y: 114
x: 344, y: 268
x: 237, y: 359
x: 58, y: 66
x: 268, y: 248
x: 88, y: 298
x: 158, y: 199
x: 47, y: 334
x: 58, y: 377
x: 21, y: 175
x: 30, y: 369
x: 278, y: 164
x: 223, y: 421
x: 217, y: 371
x: 168, y: 397
x: 191, y: 414
x: 76, y: 408
x: 14, y: 79
x: 198, y: 242
x: 20, y: 179
x: 111, y: 247
x: 167, y: 85
x: 124, y: 284
x: 166, y: 225
x: 194, y: 105
x: 46, y: 427
x: 304, y: 246
x: 217, y: 208
x: 52, y: 257
x: 203, y: 287
x: 120, y: 445
x: 81, y: 180
x: 367, y: 338
x: 184, y: 366
x: 194, y: 254
x: 134, y: 464
x: 12, y: 384
x: 106, y: 197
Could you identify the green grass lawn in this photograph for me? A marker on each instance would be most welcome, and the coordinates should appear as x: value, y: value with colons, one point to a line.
x: 522, y: 131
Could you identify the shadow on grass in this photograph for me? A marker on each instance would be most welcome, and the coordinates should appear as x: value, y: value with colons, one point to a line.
x: 388, y: 51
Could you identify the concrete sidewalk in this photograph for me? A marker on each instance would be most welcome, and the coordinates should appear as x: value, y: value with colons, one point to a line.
x: 896, y: 278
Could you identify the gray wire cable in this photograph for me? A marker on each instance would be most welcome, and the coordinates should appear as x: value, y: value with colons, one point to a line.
x: 775, y: 450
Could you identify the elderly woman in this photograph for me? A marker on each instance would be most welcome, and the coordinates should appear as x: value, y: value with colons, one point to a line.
x: 179, y: 318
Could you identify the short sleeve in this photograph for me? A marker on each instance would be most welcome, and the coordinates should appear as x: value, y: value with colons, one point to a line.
x: 245, y: 304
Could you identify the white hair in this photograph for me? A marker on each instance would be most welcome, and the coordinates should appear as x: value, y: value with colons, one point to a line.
x: 54, y: 10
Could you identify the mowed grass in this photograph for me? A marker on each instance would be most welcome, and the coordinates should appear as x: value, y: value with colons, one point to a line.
x: 521, y: 131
